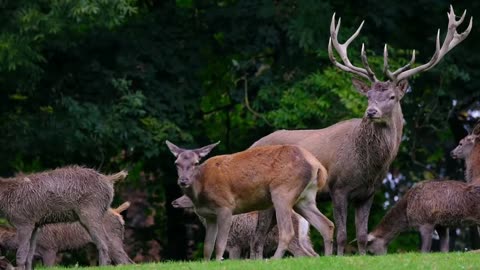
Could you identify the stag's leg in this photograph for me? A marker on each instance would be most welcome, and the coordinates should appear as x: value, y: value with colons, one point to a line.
x: 283, y: 212
x: 24, y: 234
x: 340, y: 205
x: 264, y: 225
x: 210, y: 237
x: 224, y: 221
x: 444, y: 236
x: 91, y: 219
x: 362, y: 211
x: 426, y: 231
x: 31, y: 250
x: 308, y: 209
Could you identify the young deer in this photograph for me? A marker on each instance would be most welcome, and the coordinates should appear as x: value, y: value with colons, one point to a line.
x: 469, y: 149
x: 53, y: 238
x: 358, y: 152
x: 61, y: 195
x: 283, y: 176
x: 242, y: 233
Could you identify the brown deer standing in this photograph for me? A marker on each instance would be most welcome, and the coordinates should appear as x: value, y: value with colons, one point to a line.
x: 358, y: 152
x: 286, y: 177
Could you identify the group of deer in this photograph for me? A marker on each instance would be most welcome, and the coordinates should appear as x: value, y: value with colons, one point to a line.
x: 61, y: 209
x: 281, y: 173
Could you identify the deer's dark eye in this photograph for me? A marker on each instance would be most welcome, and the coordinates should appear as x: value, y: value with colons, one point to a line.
x: 392, y: 97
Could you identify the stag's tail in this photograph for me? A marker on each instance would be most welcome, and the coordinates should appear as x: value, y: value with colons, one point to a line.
x: 124, y: 206
x: 116, y: 177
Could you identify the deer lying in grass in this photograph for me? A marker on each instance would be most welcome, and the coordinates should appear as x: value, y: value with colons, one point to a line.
x: 283, y: 176
x: 243, y: 229
x: 62, y: 195
x: 358, y: 152
x: 438, y: 204
x: 53, y: 238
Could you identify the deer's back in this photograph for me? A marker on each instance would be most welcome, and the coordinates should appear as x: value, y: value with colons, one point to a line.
x: 245, y: 179
x: 53, y: 196
x: 443, y: 203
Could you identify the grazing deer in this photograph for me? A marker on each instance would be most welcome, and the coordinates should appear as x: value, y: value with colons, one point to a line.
x: 469, y: 149
x: 62, y: 195
x: 283, y: 176
x: 358, y: 152
x: 427, y: 206
x: 243, y: 230
x: 53, y: 238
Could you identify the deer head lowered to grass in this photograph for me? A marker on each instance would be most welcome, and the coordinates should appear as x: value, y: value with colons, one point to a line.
x: 358, y: 152
x: 286, y: 177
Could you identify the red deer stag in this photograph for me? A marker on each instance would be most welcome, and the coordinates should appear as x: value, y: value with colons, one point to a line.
x: 358, y: 152
x: 286, y: 177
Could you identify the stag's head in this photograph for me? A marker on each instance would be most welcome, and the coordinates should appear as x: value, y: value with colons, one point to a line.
x: 383, y: 96
x: 187, y: 162
x: 466, y: 145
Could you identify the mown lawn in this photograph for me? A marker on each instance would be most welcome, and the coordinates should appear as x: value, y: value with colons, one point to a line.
x: 468, y: 260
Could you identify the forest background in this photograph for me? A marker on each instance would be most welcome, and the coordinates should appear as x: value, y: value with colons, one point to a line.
x: 103, y: 83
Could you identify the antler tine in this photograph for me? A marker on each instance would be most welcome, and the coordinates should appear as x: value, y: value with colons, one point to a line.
x: 370, y: 72
x: 342, y: 52
x: 402, y: 69
x: 385, y: 64
x: 452, y: 39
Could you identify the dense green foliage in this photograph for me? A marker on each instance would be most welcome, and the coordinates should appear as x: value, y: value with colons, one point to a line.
x: 103, y: 83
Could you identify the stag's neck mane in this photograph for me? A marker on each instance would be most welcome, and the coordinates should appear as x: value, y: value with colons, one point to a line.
x: 376, y: 143
x: 472, y: 165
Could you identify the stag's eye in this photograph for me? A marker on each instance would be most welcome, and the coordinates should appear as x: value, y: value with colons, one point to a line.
x: 392, y: 97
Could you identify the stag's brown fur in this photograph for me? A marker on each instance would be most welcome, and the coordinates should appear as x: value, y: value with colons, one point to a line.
x: 242, y: 233
x: 285, y: 177
x: 426, y: 205
x: 62, y: 195
x: 53, y: 238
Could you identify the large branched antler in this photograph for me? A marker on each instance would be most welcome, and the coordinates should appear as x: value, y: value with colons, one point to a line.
x: 341, y: 49
x: 451, y: 40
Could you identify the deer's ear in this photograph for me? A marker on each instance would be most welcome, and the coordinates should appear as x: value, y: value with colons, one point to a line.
x: 202, y: 152
x: 174, y: 149
x: 476, y: 129
x: 360, y: 85
x: 402, y: 87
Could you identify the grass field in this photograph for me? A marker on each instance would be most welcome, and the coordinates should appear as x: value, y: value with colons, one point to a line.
x: 409, y: 261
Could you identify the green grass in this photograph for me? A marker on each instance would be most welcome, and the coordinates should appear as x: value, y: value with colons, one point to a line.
x: 409, y: 261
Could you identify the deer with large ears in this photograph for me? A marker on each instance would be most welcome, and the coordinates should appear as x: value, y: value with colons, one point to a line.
x: 283, y: 176
x: 469, y: 149
x: 358, y: 152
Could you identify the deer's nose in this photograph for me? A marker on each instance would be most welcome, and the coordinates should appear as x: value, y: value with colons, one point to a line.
x: 183, y: 181
x: 371, y: 112
x: 453, y: 155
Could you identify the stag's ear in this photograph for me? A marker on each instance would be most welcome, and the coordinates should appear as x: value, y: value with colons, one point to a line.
x: 360, y: 85
x: 402, y: 87
x: 201, y: 152
x: 174, y: 149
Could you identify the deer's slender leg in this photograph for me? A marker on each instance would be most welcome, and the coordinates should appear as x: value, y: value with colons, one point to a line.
x: 24, y: 234
x: 362, y: 211
x: 426, y: 231
x: 31, y: 250
x: 91, y: 220
x: 444, y: 235
x: 264, y: 225
x: 283, y: 212
x: 210, y: 237
x: 224, y: 221
x: 340, y: 205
